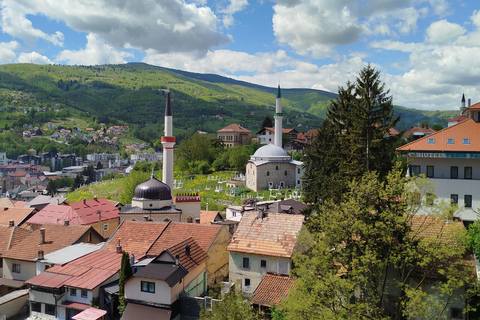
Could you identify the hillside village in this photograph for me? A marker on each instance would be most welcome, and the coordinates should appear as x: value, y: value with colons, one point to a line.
x: 64, y: 260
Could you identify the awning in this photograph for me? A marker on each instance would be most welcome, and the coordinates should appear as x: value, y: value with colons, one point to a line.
x: 11, y: 283
x: 75, y: 305
x: 90, y: 314
x: 137, y: 311
x: 111, y: 288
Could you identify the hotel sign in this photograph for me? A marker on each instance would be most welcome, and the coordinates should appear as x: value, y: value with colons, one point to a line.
x: 456, y: 155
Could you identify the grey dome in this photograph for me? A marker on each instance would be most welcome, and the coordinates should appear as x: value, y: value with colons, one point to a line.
x: 270, y: 152
x: 152, y: 189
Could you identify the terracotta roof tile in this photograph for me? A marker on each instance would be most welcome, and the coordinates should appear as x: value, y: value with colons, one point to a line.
x: 206, y: 217
x: 9, y: 236
x: 234, y: 128
x: 18, y: 215
x: 274, y: 235
x: 19, y: 204
x: 195, y: 256
x: 272, y: 290
x: 6, y: 202
x: 413, y: 130
x: 467, y: 129
x: 135, y: 237
x: 56, y: 237
x: 459, y: 119
x: 178, y: 231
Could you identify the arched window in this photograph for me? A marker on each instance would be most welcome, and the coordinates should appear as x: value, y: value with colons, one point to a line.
x: 276, y: 167
x: 286, y: 172
x: 268, y: 173
x: 190, y: 219
x: 166, y: 219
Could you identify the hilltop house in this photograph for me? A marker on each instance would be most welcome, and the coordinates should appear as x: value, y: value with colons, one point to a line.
x: 234, y: 135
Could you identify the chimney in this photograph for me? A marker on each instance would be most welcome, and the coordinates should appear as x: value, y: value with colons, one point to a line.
x: 132, y: 259
x: 40, y: 255
x: 42, y: 235
x: 187, y: 250
x: 469, y: 102
x: 66, y: 223
x: 119, y: 247
x: 145, y: 218
x: 95, y: 198
x: 260, y: 214
x: 11, y: 223
x: 84, y: 201
x: 177, y: 260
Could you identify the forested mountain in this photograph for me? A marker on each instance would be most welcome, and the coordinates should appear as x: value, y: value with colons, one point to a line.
x: 134, y: 94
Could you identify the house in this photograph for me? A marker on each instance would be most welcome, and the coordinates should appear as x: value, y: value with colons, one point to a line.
x: 93, y: 212
x: 19, y: 262
x: 13, y: 216
x: 263, y: 243
x: 449, y: 158
x: 41, y: 201
x: 272, y: 290
x: 9, y: 237
x: 159, y: 282
x: 63, y: 291
x: 156, y: 237
x: 266, y: 134
x: 418, y: 132
x: 234, y: 135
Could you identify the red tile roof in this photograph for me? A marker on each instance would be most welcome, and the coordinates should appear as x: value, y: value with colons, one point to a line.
x: 274, y: 235
x: 467, y: 129
x: 135, y: 237
x: 77, y: 213
x: 206, y: 217
x: 10, y: 236
x: 234, y: 128
x: 413, y: 130
x: 192, y: 260
x: 18, y: 215
x: 272, y: 290
x: 204, y: 235
x: 56, y: 237
x: 459, y: 119
x: 86, y: 272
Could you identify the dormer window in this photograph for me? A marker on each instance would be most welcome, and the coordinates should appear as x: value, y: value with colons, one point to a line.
x: 450, y: 141
x: 431, y: 141
x: 466, y: 141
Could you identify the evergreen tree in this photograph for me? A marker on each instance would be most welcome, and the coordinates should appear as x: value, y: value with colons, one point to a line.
x: 267, y: 122
x: 125, y: 273
x: 353, y: 139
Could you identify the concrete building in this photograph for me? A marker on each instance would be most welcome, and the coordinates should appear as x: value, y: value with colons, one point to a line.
x: 234, y: 135
x: 450, y: 159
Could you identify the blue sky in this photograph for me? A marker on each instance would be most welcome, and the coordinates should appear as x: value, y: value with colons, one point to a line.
x: 425, y: 49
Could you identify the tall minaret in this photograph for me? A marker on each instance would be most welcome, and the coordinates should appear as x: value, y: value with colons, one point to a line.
x: 278, y: 115
x: 168, y: 141
x: 462, y: 106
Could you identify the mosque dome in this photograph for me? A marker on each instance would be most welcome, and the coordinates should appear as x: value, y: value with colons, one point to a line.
x: 270, y: 152
x: 152, y: 189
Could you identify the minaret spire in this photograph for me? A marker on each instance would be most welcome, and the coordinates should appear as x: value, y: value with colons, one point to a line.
x: 278, y: 119
x: 168, y: 142
x: 462, y: 106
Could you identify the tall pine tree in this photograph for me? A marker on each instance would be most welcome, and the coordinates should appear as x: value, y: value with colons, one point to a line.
x: 353, y: 139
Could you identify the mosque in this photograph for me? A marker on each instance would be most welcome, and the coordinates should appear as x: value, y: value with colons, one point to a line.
x: 271, y: 167
x: 153, y: 199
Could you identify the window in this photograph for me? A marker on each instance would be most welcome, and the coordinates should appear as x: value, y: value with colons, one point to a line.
x: 430, y: 198
x: 84, y: 293
x: 431, y: 141
x: 190, y: 220
x: 268, y: 173
x: 466, y: 141
x: 50, y: 309
x: 247, y: 282
x: 456, y: 313
x: 105, y: 227
x: 276, y: 167
x: 467, y: 174
x: 454, y: 198
x: 263, y: 263
x: 246, y: 262
x: 148, y: 286
x: 36, y: 306
x: 16, y: 268
x: 450, y: 141
x: 430, y: 171
x: 453, y: 172
x: 298, y: 170
x: 414, y: 171
x: 468, y: 201
x: 73, y: 292
x: 286, y: 172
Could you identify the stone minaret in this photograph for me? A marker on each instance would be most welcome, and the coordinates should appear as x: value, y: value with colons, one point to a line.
x: 462, y: 106
x: 278, y: 119
x: 168, y: 141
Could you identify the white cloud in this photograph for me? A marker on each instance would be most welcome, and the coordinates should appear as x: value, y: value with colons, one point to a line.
x: 7, y: 53
x: 33, y: 57
x: 184, y: 27
x: 96, y: 52
x: 442, y: 32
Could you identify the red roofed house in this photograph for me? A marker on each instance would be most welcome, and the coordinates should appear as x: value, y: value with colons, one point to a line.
x: 81, y: 213
x: 19, y: 262
x: 63, y: 291
x: 418, y: 132
x: 9, y: 237
x: 263, y: 243
x: 266, y: 134
x: 234, y: 135
x: 159, y: 282
x: 450, y: 159
x: 272, y: 290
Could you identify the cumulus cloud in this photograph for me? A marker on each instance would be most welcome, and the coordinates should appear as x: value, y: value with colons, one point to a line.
x: 7, y: 53
x: 165, y: 26
x: 233, y: 7
x: 96, y: 52
x: 33, y: 57
x: 442, y: 32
